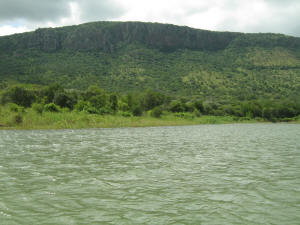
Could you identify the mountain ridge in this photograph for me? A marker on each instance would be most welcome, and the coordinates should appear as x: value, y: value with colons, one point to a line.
x: 129, y: 56
x: 107, y: 35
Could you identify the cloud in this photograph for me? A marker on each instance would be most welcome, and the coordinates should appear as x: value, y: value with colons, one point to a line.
x: 6, y: 30
x: 33, y: 10
x: 279, y: 16
x: 224, y: 15
x: 94, y: 10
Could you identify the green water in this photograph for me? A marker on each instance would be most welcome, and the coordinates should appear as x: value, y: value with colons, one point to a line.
x: 209, y: 174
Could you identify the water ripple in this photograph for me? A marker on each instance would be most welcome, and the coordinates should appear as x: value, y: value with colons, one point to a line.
x: 212, y: 174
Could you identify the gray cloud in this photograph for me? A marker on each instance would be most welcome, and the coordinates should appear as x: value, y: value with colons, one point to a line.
x: 93, y: 10
x: 281, y: 2
x: 53, y: 10
x: 33, y: 10
x: 279, y: 16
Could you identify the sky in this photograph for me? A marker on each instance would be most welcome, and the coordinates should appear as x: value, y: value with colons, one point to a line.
x: 276, y: 16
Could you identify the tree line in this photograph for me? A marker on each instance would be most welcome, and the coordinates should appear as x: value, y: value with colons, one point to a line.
x: 94, y: 100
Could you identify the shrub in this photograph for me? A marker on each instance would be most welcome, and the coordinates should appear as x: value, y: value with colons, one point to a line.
x: 64, y: 100
x: 98, y: 101
x: 197, y: 113
x: 37, y: 107
x: 176, y: 106
x: 137, y: 110
x: 82, y: 106
x: 91, y: 109
x: 199, y: 106
x: 17, y: 119
x: 113, y: 99
x: 21, y: 96
x: 156, y: 112
x: 104, y: 110
x: 123, y: 106
x: 126, y: 114
x: 15, y: 108
x: 51, y: 107
x: 189, y: 107
x: 184, y: 115
x: 153, y: 99
x: 66, y: 110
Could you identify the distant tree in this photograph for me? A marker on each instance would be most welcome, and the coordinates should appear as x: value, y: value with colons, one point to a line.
x: 50, y: 91
x: 152, y: 99
x: 113, y: 99
x: 156, y: 112
x: 20, y: 96
x: 129, y: 100
x: 98, y: 101
x: 93, y: 91
x: 38, y: 107
x: 176, y: 106
x: 51, y: 107
x: 199, y: 105
x: 64, y: 100
x: 137, y: 110
x: 267, y: 113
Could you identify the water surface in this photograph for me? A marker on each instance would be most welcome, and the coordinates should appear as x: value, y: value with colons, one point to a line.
x: 208, y: 174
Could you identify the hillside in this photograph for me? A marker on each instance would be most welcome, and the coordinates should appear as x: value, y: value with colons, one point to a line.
x: 129, y: 56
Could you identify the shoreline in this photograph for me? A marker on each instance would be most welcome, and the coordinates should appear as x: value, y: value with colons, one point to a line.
x: 71, y: 120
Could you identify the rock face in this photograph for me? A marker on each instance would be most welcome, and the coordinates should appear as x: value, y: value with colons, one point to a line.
x: 108, y: 36
x: 122, y: 56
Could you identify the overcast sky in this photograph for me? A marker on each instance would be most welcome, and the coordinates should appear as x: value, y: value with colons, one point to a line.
x: 277, y: 16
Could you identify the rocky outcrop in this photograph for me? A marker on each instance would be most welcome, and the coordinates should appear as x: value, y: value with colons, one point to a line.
x: 108, y: 36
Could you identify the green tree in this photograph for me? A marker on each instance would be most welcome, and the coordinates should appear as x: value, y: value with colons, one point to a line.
x: 156, y: 112
x: 152, y: 99
x: 137, y: 110
x: 50, y: 91
x: 20, y: 96
x: 113, y: 99
x: 176, y: 106
x: 64, y: 100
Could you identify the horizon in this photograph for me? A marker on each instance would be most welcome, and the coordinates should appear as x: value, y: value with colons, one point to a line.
x: 221, y: 31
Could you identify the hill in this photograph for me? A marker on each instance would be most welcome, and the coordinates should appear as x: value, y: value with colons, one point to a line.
x: 133, y: 56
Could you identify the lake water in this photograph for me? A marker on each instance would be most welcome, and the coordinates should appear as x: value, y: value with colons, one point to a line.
x: 207, y: 174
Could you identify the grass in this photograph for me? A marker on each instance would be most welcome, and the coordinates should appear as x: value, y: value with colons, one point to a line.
x: 29, y: 119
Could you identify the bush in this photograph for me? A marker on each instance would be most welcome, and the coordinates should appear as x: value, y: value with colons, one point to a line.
x: 21, y: 96
x: 176, y: 106
x: 91, y: 110
x: 123, y: 106
x: 15, y: 108
x: 199, y: 106
x: 51, y: 107
x: 113, y: 99
x: 82, y: 106
x: 104, y: 110
x: 65, y: 110
x: 137, y: 111
x: 189, y: 107
x: 64, y: 100
x: 197, y: 113
x: 156, y: 112
x: 17, y: 119
x: 184, y: 115
x: 126, y: 114
x: 37, y: 107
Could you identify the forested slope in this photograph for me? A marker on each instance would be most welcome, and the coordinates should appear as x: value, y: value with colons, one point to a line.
x: 134, y: 56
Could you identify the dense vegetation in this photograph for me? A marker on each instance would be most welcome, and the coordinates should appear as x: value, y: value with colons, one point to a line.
x: 131, y: 69
x: 133, y: 56
x: 19, y: 100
